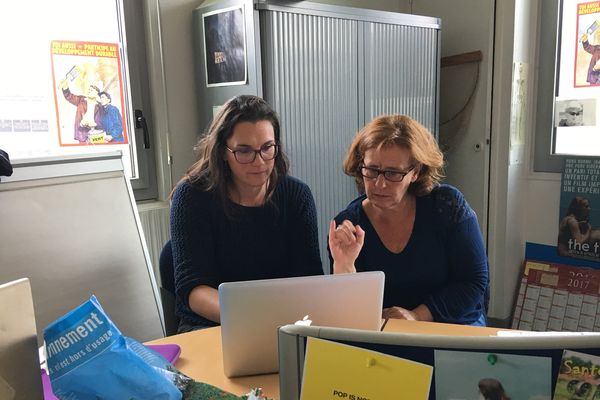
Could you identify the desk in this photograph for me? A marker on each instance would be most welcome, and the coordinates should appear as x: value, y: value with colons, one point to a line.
x: 201, y: 354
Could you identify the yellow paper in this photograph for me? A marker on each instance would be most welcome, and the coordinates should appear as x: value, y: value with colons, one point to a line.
x: 536, y: 265
x: 338, y: 371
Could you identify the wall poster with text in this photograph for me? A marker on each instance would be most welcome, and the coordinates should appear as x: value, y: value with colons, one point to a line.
x: 579, y: 220
x: 225, y: 47
x: 587, y: 57
x: 88, y: 93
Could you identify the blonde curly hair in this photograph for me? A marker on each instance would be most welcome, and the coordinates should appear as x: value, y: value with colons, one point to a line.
x: 403, y: 131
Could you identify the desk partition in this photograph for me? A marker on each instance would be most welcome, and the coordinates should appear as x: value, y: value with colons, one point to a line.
x: 70, y: 225
x: 527, y: 366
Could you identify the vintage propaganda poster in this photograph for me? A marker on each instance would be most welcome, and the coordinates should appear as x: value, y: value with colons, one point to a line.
x: 225, y: 47
x: 88, y: 93
x: 587, y: 57
x: 579, y: 220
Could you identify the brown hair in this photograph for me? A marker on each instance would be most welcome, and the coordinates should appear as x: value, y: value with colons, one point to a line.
x: 492, y: 389
x: 577, y: 206
x: 211, y: 172
x: 403, y: 131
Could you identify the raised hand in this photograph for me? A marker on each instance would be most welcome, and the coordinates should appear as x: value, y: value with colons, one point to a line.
x: 345, y: 242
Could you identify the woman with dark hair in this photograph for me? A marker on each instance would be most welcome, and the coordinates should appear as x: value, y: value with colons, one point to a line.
x: 236, y: 214
x: 422, y: 234
x: 491, y: 389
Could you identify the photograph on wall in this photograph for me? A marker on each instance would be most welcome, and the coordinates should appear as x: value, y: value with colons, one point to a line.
x: 579, y: 219
x: 575, y: 112
x: 225, y: 47
x: 587, y: 57
x: 578, y: 377
x: 88, y: 93
x: 461, y: 375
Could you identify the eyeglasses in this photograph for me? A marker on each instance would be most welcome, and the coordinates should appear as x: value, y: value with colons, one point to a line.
x: 247, y: 155
x: 574, y: 113
x: 388, y: 174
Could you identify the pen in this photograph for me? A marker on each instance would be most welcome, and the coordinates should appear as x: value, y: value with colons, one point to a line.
x: 384, y: 323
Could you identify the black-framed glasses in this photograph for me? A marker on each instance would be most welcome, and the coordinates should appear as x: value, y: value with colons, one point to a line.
x: 247, y: 155
x: 389, y: 174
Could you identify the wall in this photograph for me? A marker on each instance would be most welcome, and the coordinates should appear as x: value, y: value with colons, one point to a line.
x: 464, y: 136
x: 177, y: 53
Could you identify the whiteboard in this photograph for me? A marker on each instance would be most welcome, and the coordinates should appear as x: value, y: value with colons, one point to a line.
x: 70, y: 225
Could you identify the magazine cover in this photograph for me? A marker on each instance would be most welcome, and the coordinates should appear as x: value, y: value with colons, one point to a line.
x: 587, y: 56
x: 579, y: 219
x: 578, y: 377
x: 88, y: 93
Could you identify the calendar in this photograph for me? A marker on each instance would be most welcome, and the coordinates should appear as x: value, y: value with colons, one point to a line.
x: 555, y: 297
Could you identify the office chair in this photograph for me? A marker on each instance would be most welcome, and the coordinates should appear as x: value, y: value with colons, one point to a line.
x: 167, y: 289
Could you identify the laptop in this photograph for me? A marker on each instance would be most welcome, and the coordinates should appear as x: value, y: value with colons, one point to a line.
x: 251, y: 312
x: 20, y: 375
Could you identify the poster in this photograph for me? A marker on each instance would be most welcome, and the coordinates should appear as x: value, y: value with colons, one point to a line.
x: 579, y: 219
x: 469, y: 375
x: 587, y: 57
x: 88, y: 93
x: 577, y: 105
x: 335, y: 371
x: 578, y: 377
x: 225, y: 47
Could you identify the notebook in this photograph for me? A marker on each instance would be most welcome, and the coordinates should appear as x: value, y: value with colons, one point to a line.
x: 251, y: 312
x: 19, y: 363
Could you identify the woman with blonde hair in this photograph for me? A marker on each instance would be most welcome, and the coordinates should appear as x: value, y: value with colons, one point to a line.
x: 422, y: 234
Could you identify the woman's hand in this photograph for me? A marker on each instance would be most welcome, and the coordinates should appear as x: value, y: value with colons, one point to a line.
x: 345, y: 242
x: 398, y: 313
x: 420, y: 313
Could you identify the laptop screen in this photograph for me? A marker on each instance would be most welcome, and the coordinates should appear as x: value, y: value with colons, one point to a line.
x: 251, y: 312
x: 20, y: 375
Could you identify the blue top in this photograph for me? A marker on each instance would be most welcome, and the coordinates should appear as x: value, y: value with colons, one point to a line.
x: 112, y: 123
x: 444, y: 264
x: 276, y: 240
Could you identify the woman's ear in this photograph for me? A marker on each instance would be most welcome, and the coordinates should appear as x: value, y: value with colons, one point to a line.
x: 416, y: 173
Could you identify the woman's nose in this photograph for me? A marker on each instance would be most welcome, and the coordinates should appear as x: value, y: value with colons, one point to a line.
x: 258, y: 160
x: 380, y: 180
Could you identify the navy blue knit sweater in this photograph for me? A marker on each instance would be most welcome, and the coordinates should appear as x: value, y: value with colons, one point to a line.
x: 276, y: 240
x: 444, y: 264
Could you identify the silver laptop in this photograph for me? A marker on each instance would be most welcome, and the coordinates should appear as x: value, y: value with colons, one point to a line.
x: 20, y: 374
x: 251, y: 312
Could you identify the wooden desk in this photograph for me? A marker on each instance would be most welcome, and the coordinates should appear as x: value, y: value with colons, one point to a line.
x: 202, y: 359
x: 201, y: 354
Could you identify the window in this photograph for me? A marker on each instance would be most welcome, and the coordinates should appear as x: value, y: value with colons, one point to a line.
x: 66, y: 87
x: 568, y: 83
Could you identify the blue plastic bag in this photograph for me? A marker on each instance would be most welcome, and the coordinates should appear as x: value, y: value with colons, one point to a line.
x: 89, y: 358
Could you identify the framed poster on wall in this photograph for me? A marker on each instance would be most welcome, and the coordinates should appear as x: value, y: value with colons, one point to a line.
x: 225, y: 47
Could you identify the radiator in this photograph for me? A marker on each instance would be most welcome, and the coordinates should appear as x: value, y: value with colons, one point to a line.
x: 154, y: 218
